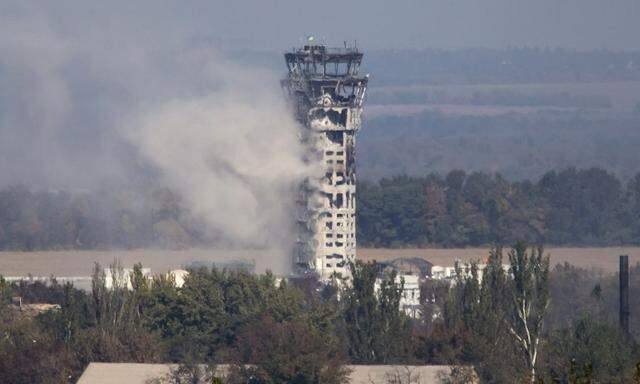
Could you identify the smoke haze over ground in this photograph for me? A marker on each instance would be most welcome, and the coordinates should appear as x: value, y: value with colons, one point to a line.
x: 85, y: 108
x: 121, y: 96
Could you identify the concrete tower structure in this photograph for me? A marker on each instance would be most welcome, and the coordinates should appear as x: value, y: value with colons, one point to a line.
x: 327, y: 93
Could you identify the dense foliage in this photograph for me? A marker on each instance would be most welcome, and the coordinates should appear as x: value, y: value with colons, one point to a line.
x: 94, y: 219
x: 569, y: 207
x: 288, y: 331
x: 300, y: 331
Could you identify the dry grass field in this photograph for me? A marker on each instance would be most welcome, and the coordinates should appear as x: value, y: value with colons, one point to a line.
x: 80, y: 263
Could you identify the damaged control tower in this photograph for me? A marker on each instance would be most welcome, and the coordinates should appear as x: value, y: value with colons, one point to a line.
x: 327, y: 95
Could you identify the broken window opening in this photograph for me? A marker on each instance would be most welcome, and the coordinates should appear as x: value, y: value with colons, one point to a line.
x: 329, y: 197
x: 339, y: 200
x: 338, y: 118
x: 336, y: 137
x: 329, y: 177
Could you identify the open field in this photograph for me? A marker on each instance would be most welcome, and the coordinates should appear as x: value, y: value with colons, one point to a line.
x: 80, y: 263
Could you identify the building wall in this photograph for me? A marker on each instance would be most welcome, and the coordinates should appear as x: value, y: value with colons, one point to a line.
x: 335, y: 231
x: 327, y: 94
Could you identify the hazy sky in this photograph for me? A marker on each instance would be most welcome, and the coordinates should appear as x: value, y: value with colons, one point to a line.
x: 275, y: 24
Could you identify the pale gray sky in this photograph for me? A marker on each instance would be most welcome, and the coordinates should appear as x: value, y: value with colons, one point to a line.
x: 274, y: 24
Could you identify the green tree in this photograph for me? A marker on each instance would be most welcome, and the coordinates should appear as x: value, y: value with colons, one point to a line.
x: 376, y: 328
x: 590, y: 348
x: 530, y: 299
x: 475, y: 314
x: 291, y: 351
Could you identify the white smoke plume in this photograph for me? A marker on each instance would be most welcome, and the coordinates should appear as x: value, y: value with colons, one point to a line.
x: 84, y: 110
x: 233, y: 153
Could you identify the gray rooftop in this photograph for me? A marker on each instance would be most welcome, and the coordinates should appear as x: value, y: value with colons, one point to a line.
x: 126, y: 373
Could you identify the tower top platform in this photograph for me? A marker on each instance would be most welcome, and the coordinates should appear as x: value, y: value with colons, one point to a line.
x: 322, y: 61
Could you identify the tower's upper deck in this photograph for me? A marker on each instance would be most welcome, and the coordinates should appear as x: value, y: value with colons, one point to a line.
x: 326, y: 77
x: 319, y: 61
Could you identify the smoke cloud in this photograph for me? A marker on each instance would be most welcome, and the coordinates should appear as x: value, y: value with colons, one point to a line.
x: 233, y: 154
x: 89, y: 110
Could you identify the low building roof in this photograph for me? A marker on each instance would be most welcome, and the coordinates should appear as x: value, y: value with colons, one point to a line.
x: 130, y: 373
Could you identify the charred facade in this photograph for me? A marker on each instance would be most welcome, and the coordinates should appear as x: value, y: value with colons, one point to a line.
x: 327, y: 94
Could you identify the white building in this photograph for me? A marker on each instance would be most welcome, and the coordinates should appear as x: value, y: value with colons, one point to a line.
x: 121, y: 277
x: 449, y: 273
x: 178, y: 276
x: 410, y: 300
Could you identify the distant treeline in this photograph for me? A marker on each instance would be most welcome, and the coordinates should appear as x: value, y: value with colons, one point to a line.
x: 51, y: 220
x: 512, y: 65
x: 481, y: 65
x: 510, y: 98
x: 569, y: 207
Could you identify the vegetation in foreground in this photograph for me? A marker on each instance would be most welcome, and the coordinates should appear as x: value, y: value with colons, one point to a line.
x: 554, y: 326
